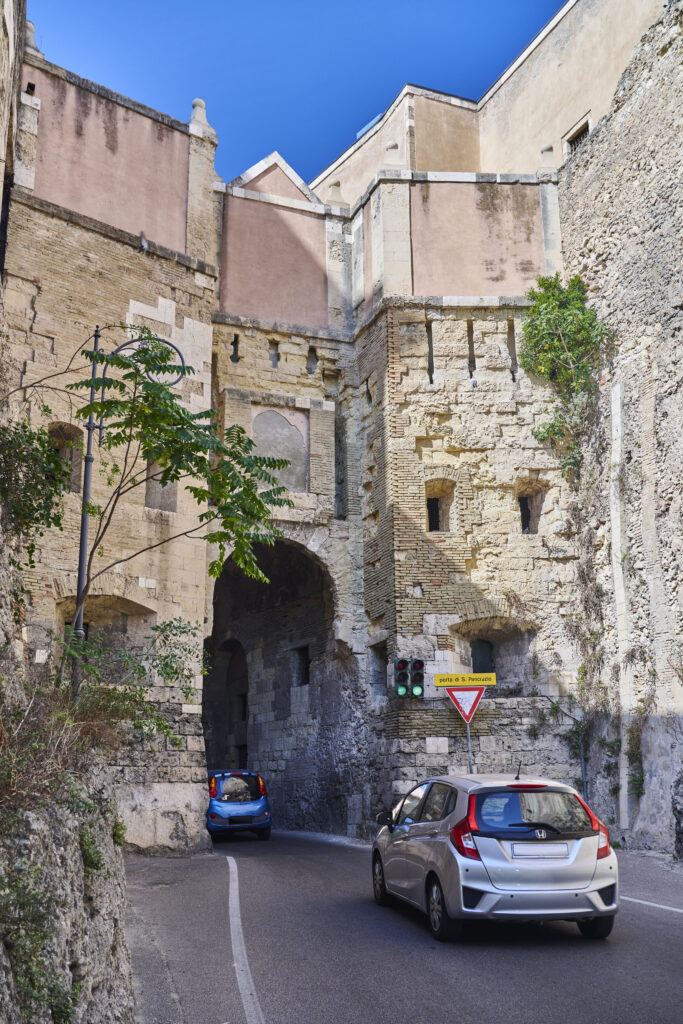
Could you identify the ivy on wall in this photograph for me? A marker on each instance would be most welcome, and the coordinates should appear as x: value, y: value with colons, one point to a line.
x: 563, y: 343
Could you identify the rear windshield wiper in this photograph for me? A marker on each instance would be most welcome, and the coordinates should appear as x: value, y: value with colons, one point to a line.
x: 534, y: 824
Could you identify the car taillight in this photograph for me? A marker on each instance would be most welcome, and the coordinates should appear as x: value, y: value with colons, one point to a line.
x: 526, y: 785
x: 262, y: 787
x: 212, y: 787
x: 461, y: 834
x: 599, y: 827
x: 603, y: 840
x: 212, y: 815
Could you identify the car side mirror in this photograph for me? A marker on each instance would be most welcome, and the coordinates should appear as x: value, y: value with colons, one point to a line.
x: 384, y: 818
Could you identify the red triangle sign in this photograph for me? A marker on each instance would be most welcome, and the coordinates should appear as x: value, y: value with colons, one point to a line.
x: 466, y: 699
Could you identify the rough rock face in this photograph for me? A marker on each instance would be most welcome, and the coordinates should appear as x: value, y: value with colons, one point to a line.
x: 48, y: 852
x: 621, y: 204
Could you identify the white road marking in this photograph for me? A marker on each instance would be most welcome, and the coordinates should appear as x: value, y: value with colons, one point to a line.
x: 647, y: 903
x: 245, y: 982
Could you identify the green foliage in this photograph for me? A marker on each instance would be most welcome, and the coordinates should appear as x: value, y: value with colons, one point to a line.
x: 118, y: 832
x: 26, y: 911
x: 93, y: 858
x: 33, y: 479
x: 146, y: 425
x: 634, y: 741
x: 44, y: 745
x: 563, y: 343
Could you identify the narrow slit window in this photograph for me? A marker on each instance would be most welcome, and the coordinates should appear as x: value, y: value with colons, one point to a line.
x: 512, y: 350
x: 471, y: 360
x: 274, y: 354
x: 312, y: 361
x: 433, y: 518
x: 235, y: 345
x: 430, y: 352
x: 302, y: 666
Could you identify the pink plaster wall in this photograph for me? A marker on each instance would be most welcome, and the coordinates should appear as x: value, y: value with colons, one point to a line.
x: 108, y: 162
x: 273, y: 181
x: 274, y: 263
x: 475, y: 239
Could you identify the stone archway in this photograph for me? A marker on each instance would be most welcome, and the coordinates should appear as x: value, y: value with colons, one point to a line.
x: 296, y: 688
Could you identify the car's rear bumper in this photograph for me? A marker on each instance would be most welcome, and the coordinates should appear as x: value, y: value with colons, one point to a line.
x: 470, y: 893
x: 219, y: 825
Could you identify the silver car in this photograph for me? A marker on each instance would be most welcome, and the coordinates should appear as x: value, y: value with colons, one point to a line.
x: 494, y: 847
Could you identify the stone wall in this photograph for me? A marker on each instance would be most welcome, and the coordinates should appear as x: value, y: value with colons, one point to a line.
x: 621, y: 208
x: 84, y: 947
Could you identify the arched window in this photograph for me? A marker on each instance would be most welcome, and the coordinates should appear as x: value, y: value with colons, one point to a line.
x: 441, y: 508
x: 68, y: 440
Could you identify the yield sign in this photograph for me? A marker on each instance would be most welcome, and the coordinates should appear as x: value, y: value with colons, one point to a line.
x: 466, y: 699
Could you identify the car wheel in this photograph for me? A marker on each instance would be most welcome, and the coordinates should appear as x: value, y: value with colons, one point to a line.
x: 379, y: 889
x: 263, y: 833
x: 596, y: 927
x: 441, y: 925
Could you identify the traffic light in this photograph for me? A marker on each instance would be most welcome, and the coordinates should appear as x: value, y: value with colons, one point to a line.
x: 401, y: 676
x: 417, y: 677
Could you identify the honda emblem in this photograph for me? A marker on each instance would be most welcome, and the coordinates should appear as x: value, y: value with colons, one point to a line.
x: 541, y: 833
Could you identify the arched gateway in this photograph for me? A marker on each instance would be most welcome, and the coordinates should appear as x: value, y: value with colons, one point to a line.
x: 281, y: 693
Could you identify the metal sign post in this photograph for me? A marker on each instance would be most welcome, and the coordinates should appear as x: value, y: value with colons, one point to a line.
x: 465, y: 691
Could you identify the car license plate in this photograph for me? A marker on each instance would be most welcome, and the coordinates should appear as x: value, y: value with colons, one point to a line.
x: 543, y: 850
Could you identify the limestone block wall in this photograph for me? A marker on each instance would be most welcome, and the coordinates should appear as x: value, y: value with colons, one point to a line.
x: 65, y: 274
x: 621, y: 211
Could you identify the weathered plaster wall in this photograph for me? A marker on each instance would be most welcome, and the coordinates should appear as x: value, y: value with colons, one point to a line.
x: 274, y: 263
x: 483, y: 238
x: 570, y: 75
x: 108, y: 159
x: 621, y: 207
x: 446, y: 134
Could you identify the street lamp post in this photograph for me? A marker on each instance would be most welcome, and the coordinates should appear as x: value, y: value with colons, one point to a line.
x: 91, y: 427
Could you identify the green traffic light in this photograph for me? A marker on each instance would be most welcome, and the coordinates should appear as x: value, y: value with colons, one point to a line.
x: 417, y: 691
x: 401, y: 690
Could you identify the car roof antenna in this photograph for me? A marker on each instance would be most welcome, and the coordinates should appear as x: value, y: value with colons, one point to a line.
x: 518, y: 771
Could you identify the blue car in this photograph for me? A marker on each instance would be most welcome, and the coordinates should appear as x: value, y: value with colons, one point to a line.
x: 238, y: 802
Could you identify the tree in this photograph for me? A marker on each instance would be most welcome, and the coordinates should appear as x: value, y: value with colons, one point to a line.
x: 147, y: 434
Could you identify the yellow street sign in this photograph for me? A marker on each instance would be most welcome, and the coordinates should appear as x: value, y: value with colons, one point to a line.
x: 467, y: 679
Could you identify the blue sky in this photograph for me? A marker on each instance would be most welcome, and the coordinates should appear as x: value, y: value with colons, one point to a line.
x: 298, y: 77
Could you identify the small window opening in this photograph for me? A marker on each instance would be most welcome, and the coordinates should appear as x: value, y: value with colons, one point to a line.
x: 241, y: 755
x: 530, y: 508
x: 162, y: 497
x: 433, y: 517
x: 274, y: 354
x: 471, y: 360
x: 430, y: 352
x: 482, y: 656
x: 512, y: 349
x: 440, y: 505
x: 68, y: 440
x: 30, y: 88
x: 578, y: 138
x: 241, y: 707
x: 368, y: 392
x: 302, y: 666
x: 312, y: 361
x: 378, y: 667
x: 235, y: 345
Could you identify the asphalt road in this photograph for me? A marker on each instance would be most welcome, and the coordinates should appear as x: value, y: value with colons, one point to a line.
x: 286, y: 932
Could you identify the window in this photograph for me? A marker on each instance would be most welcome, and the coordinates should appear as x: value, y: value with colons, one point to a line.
x: 530, y: 508
x: 158, y: 496
x: 440, y: 505
x: 482, y: 656
x: 302, y: 666
x: 577, y: 139
x: 436, y: 805
x: 410, y: 806
x: 378, y: 667
x: 68, y: 440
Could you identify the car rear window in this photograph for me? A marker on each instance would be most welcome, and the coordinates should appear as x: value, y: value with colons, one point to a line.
x: 239, y: 788
x: 502, y: 810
